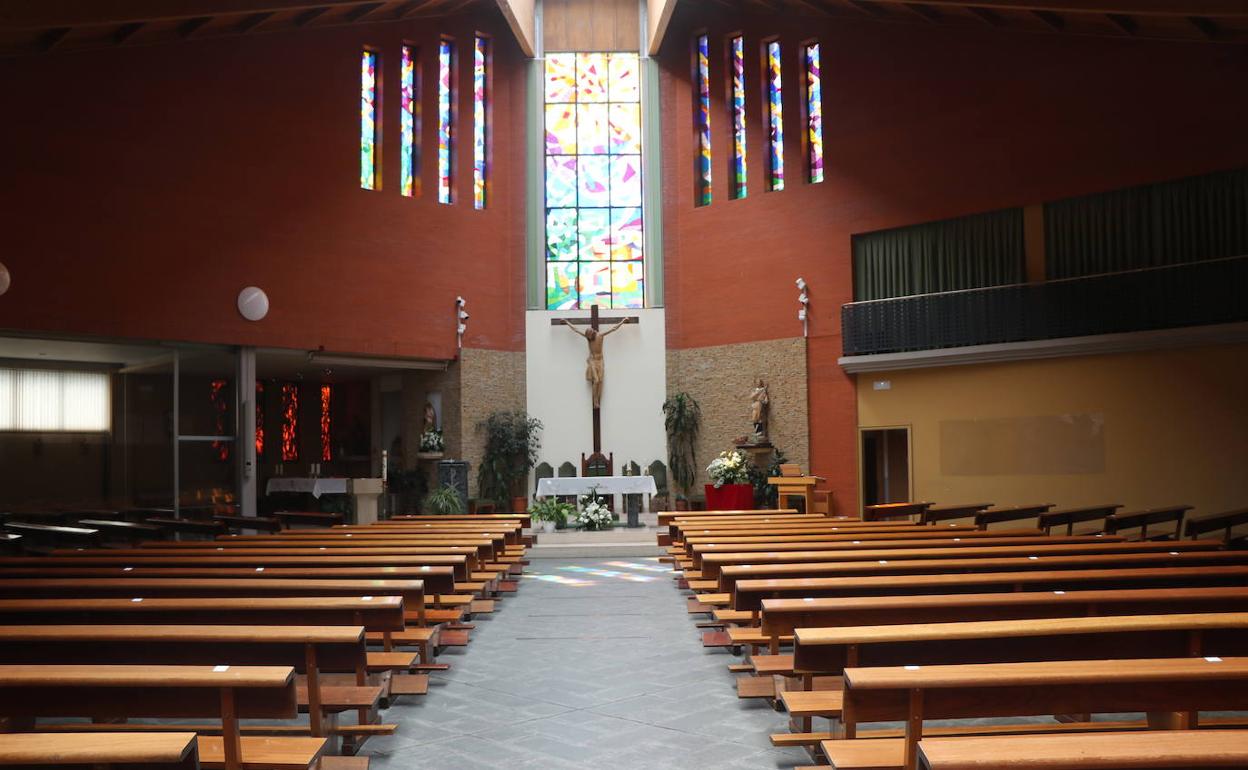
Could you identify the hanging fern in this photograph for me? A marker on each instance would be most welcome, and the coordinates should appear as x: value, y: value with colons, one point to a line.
x: 682, y: 419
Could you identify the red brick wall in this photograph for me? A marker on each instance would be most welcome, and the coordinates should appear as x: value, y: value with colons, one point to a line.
x: 147, y: 186
x: 921, y: 123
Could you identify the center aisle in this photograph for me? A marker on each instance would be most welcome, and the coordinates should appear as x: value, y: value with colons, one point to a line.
x: 594, y: 663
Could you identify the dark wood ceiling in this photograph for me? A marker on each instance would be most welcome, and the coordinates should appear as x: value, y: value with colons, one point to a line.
x: 45, y: 26
x: 1191, y: 20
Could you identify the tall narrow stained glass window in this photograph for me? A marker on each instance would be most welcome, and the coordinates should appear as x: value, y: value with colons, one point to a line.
x: 327, y: 395
x: 594, y: 244
x: 814, y: 111
x: 446, y: 128
x: 775, y: 119
x: 259, y: 420
x: 290, y: 422
x: 480, y: 60
x: 702, y: 116
x: 409, y: 150
x: 369, y: 143
x: 737, y: 55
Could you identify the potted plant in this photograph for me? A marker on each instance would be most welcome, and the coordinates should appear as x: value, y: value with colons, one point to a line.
x: 730, y: 488
x: 594, y: 515
x: 551, y: 513
x: 682, y: 419
x: 511, y: 444
x: 443, y: 501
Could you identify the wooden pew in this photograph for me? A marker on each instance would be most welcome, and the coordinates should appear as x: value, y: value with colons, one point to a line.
x: 1069, y: 517
x: 1015, y: 513
x: 257, y: 523
x: 313, y: 558
x: 124, y: 531
x: 913, y: 694
x: 1142, y: 519
x: 1187, y: 749
x: 522, y: 518
x: 941, y: 513
x: 749, y: 594
x: 312, y: 518
x: 1222, y: 521
x: 310, y: 650
x: 100, y: 751
x: 10, y: 542
x: 999, y: 558
x: 51, y: 536
x: 172, y: 692
x: 666, y: 517
x: 198, y: 527
x: 887, y: 511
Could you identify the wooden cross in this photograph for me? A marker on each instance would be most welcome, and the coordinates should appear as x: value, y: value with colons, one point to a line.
x: 593, y: 321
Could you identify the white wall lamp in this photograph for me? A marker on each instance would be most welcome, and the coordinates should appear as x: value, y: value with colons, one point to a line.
x: 253, y: 303
x: 5, y: 278
x: 461, y: 321
x: 803, y: 313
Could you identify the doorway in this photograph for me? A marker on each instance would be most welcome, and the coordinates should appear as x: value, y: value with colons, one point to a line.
x: 885, y: 465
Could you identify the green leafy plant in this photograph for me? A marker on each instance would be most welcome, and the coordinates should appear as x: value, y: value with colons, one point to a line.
x: 766, y: 495
x: 550, y: 509
x: 682, y: 419
x: 443, y: 501
x: 511, y: 443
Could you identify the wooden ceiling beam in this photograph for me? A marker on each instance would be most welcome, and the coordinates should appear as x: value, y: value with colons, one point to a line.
x: 113, y: 12
x: 189, y: 28
x: 1123, y: 22
x: 1207, y: 27
x: 659, y: 19
x: 253, y: 22
x: 360, y: 12
x: 925, y: 12
x: 52, y: 38
x: 985, y: 15
x: 520, y: 17
x: 870, y: 9
x: 418, y: 8
x: 312, y: 14
x: 127, y: 31
x: 1053, y: 21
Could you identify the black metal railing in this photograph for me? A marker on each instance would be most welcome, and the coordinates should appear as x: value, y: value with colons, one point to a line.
x: 1191, y: 294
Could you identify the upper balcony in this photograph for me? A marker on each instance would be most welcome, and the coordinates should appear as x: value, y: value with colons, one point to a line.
x: 1169, y: 297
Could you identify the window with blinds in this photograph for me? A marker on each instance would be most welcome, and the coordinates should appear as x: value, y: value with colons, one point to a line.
x: 49, y: 400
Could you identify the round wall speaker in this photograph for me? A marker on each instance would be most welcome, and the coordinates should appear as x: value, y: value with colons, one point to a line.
x: 253, y: 303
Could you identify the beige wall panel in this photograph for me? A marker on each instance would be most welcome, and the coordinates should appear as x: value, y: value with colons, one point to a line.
x: 1142, y: 429
x: 721, y: 378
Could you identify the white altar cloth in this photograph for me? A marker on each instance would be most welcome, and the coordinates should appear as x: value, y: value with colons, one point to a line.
x: 606, y: 485
x: 314, y: 487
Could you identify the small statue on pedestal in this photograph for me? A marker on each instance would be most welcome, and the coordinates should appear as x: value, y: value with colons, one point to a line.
x: 760, y: 403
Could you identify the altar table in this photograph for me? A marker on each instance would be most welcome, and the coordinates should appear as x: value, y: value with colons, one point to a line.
x: 616, y: 486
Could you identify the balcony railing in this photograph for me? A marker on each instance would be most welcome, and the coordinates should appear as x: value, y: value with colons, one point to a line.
x: 1191, y: 294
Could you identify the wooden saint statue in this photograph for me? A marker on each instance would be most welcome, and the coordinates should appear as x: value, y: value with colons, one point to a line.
x: 593, y: 365
x: 760, y: 403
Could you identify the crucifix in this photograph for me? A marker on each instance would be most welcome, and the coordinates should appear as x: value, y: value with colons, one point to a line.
x: 594, y: 369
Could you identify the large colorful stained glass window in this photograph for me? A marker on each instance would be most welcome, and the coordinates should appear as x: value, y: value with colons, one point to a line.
x: 702, y: 116
x: 290, y: 422
x: 480, y: 60
x: 446, y: 128
x: 409, y: 150
x: 327, y: 395
x: 594, y: 245
x: 369, y: 144
x: 775, y: 119
x: 814, y: 111
x: 737, y: 57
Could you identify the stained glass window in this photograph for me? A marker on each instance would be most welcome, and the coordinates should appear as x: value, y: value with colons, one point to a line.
x: 290, y: 422
x: 737, y: 45
x: 368, y: 121
x: 408, y: 109
x: 594, y: 233
x: 327, y: 395
x: 446, y: 134
x: 775, y: 119
x: 702, y: 116
x: 259, y: 420
x: 218, y: 392
x: 814, y: 111
x: 480, y: 60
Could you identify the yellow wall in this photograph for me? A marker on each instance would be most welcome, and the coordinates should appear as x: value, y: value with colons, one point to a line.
x: 1173, y: 427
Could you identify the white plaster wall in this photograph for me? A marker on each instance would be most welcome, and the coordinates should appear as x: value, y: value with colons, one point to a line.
x: 632, y: 397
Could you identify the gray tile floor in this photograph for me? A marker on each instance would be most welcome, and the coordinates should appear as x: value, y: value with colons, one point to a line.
x: 593, y: 664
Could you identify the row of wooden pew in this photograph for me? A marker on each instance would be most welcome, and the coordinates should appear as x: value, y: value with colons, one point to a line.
x: 886, y: 623
x: 43, y: 530
x: 334, y: 622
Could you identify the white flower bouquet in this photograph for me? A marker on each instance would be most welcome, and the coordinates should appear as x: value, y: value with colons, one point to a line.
x: 730, y: 467
x: 432, y: 441
x: 594, y: 515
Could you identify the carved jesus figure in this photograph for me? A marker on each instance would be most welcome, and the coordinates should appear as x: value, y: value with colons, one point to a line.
x: 593, y: 364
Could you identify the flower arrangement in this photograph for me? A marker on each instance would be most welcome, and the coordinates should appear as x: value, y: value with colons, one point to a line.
x: 594, y: 515
x: 432, y: 441
x: 730, y: 467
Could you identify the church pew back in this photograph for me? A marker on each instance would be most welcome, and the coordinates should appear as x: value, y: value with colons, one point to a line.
x: 95, y: 751
x: 1134, y: 750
